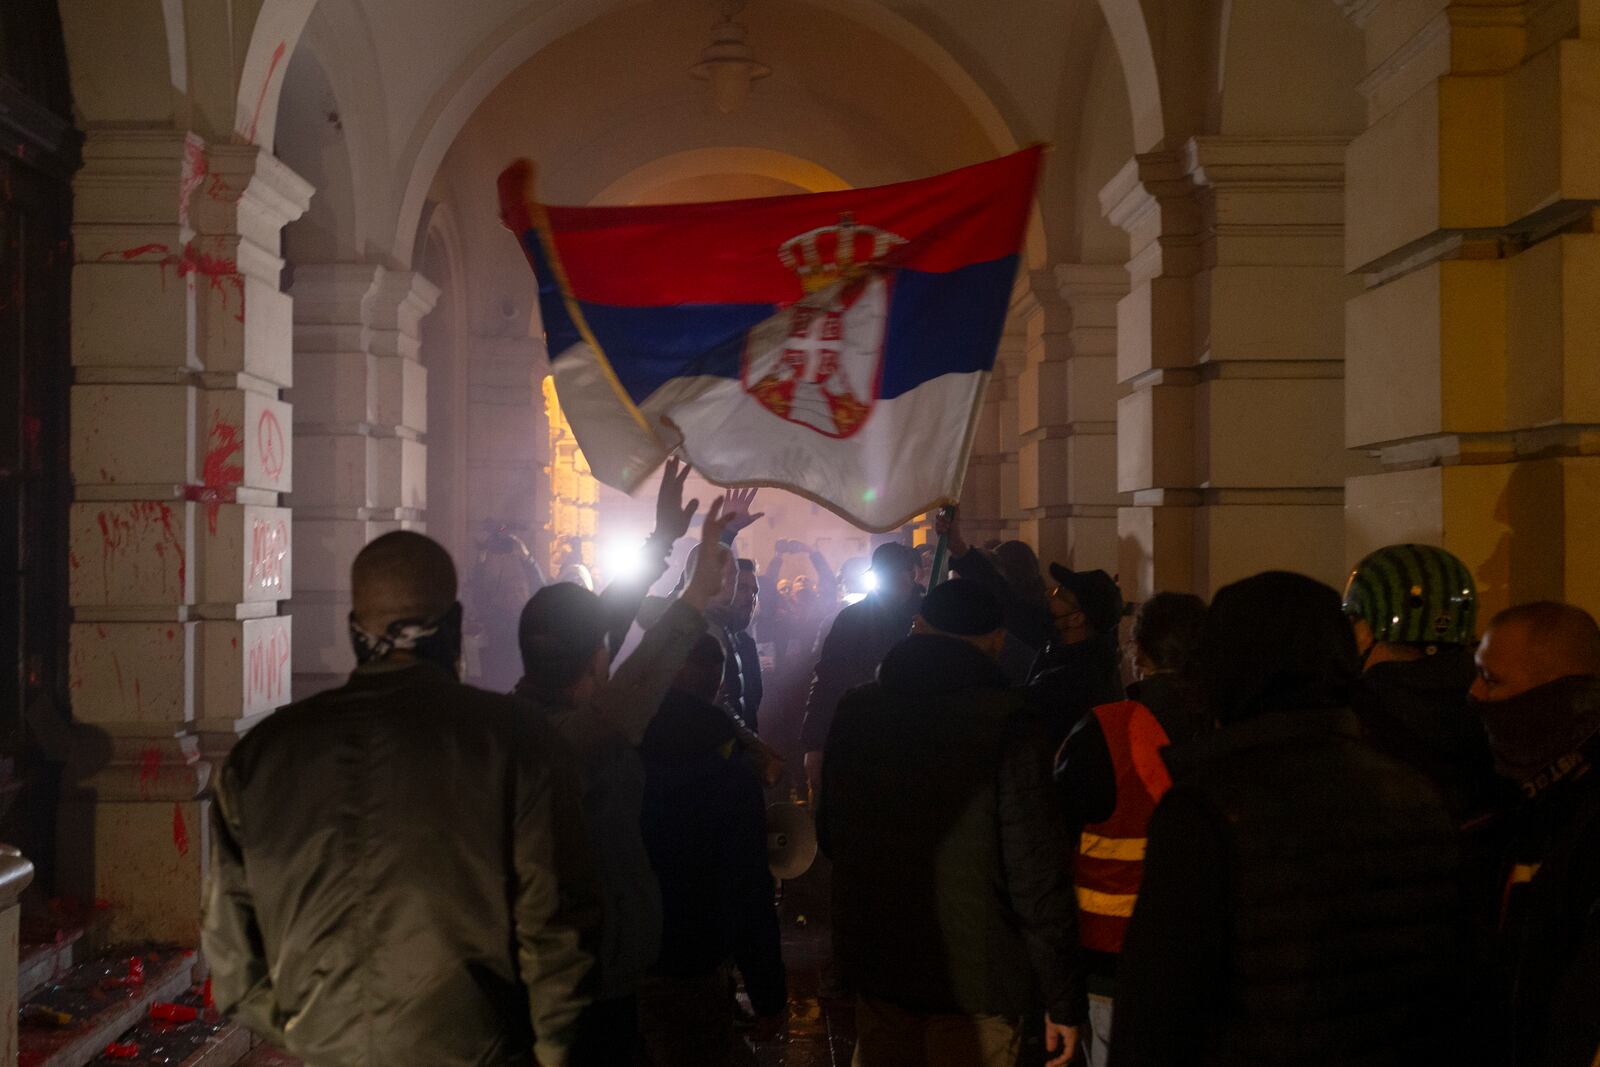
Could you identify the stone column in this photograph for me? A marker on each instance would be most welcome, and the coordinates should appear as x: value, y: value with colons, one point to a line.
x: 15, y: 875
x: 1153, y: 200
x: 1472, y: 210
x: 509, y: 482
x: 180, y: 552
x: 361, y: 401
x: 1067, y: 414
x: 1229, y: 357
x: 990, y: 508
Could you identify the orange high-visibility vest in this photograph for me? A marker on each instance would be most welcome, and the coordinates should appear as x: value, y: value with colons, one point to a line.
x: 1110, y: 860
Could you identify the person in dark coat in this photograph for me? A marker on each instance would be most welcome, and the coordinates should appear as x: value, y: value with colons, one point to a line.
x: 1011, y: 573
x: 1300, y: 902
x: 1108, y: 827
x: 953, y: 914
x: 1081, y: 667
x: 735, y: 617
x: 567, y: 683
x: 861, y: 635
x: 705, y: 826
x: 1413, y: 610
x: 399, y: 873
x: 1538, y: 691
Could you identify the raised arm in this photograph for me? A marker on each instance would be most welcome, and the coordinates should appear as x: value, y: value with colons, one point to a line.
x: 622, y: 598
x: 629, y: 700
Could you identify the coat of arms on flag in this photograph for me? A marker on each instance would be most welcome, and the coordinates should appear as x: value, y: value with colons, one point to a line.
x: 833, y: 344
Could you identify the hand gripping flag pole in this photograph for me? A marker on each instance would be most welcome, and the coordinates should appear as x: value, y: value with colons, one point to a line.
x: 835, y: 344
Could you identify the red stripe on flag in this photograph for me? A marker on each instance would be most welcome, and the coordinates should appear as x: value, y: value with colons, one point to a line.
x: 728, y: 252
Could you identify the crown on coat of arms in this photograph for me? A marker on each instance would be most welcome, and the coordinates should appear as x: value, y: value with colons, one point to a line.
x: 824, y: 255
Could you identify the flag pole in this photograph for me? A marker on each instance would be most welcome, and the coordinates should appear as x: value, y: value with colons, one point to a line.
x: 941, y: 554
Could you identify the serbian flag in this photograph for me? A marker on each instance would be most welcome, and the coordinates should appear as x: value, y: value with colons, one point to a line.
x: 832, y: 344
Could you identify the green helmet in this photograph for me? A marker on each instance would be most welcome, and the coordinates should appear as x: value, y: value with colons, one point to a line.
x: 1414, y: 595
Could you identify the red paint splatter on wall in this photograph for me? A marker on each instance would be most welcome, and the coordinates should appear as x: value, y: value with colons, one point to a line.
x: 269, y: 439
x: 135, y: 253
x: 261, y: 97
x: 266, y: 663
x: 194, y: 172
x: 149, y: 770
x: 221, y: 273
x: 180, y: 830
x: 220, y: 473
x: 123, y: 529
x: 72, y: 560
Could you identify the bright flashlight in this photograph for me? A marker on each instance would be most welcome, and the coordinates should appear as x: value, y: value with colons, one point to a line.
x: 869, y: 581
x: 621, y: 559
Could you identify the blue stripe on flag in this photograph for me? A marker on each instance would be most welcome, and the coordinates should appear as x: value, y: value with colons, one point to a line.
x: 939, y: 323
x: 561, y: 333
x: 649, y: 346
x: 946, y: 323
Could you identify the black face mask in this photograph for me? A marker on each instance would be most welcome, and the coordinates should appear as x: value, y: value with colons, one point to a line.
x: 1534, y: 731
x: 436, y: 640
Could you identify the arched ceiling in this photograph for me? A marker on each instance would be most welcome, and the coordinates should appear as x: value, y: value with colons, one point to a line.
x: 888, y: 89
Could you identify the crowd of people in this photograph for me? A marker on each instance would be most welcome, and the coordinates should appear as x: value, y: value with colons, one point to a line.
x: 1286, y: 827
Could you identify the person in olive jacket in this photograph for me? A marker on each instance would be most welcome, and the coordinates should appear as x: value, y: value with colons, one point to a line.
x: 399, y: 874
x: 953, y: 912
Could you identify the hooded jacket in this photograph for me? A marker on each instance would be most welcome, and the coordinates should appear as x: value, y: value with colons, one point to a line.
x: 950, y: 894
x: 1417, y: 712
x: 399, y: 877
x: 705, y: 828
x: 1300, y: 902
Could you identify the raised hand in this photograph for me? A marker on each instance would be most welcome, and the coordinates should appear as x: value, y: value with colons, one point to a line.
x: 736, y: 503
x: 672, y: 515
x: 712, y: 562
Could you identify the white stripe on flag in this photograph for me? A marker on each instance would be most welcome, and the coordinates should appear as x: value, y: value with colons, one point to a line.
x: 621, y: 452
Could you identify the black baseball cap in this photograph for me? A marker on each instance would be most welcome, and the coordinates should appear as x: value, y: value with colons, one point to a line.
x: 962, y: 607
x: 1097, y: 595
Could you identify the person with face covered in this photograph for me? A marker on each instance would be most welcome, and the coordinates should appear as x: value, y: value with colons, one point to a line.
x: 1300, y: 893
x: 399, y: 874
x: 1538, y: 692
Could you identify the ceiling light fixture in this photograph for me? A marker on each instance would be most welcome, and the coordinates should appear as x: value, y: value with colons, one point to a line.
x: 726, y: 62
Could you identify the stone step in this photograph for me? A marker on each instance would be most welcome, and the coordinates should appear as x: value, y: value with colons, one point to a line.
x: 42, y: 962
x: 68, y: 1022
x: 205, y: 1042
x: 54, y: 939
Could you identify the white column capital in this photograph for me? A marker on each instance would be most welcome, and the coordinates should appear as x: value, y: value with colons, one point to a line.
x: 395, y: 308
x: 332, y: 293
x: 246, y: 191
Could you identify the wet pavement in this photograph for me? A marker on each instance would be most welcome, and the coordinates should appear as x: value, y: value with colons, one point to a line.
x: 821, y: 1031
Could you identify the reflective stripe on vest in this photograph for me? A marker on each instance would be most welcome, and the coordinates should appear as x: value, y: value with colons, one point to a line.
x: 1110, y: 860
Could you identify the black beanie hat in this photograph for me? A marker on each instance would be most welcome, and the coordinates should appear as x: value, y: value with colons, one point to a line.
x: 964, y: 608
